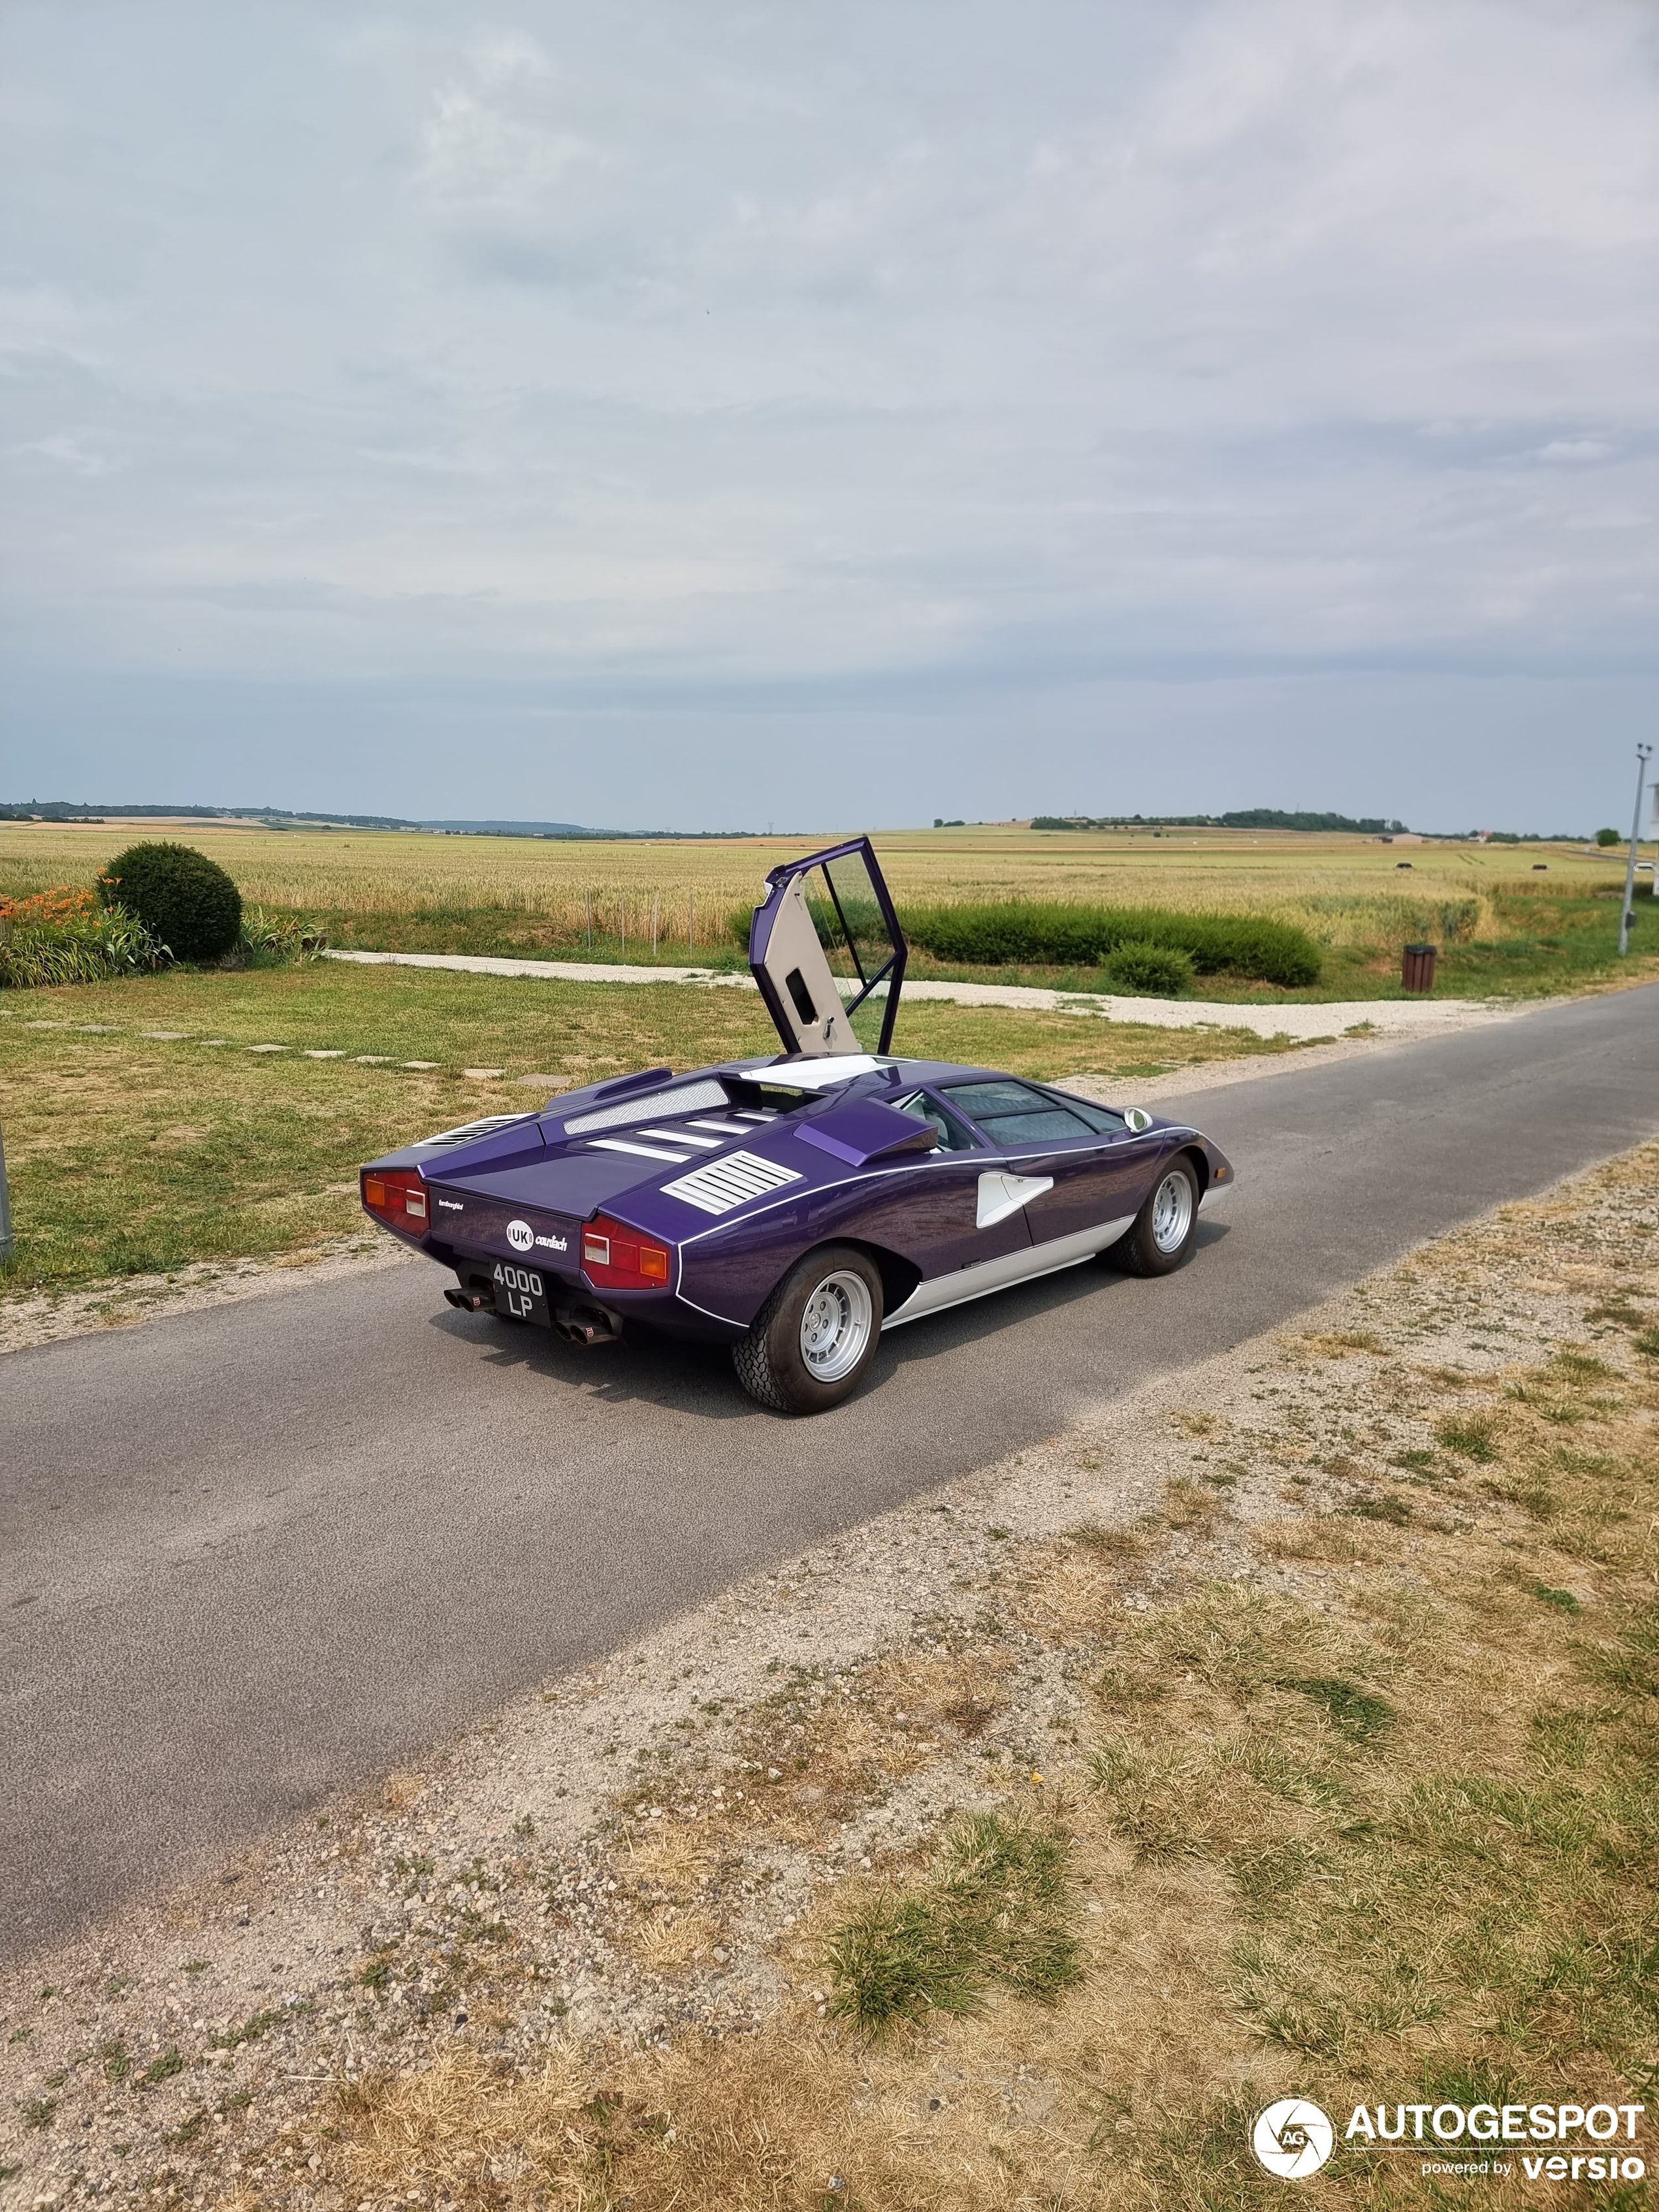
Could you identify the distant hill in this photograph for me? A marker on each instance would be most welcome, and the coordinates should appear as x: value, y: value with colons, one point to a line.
x: 1252, y: 817
x: 63, y: 809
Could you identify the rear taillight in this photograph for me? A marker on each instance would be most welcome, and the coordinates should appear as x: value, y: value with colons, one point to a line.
x: 617, y: 1258
x: 398, y: 1197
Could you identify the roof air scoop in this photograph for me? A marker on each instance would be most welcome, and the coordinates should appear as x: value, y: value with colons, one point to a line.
x: 827, y: 927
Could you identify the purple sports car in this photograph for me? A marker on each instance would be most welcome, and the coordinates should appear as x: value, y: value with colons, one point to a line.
x: 794, y: 1207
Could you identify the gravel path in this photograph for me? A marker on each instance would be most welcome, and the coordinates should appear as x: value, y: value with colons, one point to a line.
x: 1387, y: 1017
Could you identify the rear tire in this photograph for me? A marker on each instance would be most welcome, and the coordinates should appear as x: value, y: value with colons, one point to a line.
x: 810, y: 1342
x: 1163, y: 1232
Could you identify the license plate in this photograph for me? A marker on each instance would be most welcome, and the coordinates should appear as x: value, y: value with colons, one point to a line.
x: 520, y: 1292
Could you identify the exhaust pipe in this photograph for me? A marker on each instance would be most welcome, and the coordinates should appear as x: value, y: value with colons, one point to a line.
x: 466, y: 1301
x: 585, y: 1325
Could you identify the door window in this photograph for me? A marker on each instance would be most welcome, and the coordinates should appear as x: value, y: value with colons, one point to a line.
x: 1013, y: 1114
x: 1101, y: 1119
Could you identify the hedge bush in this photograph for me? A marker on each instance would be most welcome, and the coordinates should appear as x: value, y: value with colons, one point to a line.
x: 1033, y: 932
x: 1164, y: 971
x: 183, y: 898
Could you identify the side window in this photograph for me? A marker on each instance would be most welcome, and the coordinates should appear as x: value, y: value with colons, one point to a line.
x: 1101, y: 1119
x: 952, y: 1136
x: 1014, y: 1114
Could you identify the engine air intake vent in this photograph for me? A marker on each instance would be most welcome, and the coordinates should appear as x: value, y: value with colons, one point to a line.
x: 653, y: 1106
x: 732, y: 1182
x: 447, y: 1139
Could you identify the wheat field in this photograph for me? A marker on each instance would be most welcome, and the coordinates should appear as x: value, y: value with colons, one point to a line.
x: 1344, y: 890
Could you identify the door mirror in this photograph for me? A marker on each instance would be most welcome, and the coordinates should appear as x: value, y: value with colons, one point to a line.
x: 1138, y: 1120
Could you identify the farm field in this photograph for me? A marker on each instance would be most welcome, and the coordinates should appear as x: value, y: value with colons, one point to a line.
x: 1511, y: 920
x: 225, y: 1151
x: 133, y: 1153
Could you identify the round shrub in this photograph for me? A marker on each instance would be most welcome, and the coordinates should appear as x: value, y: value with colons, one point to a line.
x: 1161, y: 971
x: 183, y: 898
x: 1606, y: 837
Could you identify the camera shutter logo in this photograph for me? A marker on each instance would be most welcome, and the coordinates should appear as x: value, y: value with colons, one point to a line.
x: 520, y: 1235
x: 1292, y: 2139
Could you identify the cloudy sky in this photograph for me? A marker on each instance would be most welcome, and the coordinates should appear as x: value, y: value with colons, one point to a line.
x: 743, y: 413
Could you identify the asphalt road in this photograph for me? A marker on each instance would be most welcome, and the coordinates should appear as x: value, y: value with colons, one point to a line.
x: 255, y: 1553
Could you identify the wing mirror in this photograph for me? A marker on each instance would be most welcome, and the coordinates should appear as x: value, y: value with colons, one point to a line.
x: 1138, y: 1119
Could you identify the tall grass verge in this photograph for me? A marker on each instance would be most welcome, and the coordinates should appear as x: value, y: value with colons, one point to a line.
x: 62, y: 936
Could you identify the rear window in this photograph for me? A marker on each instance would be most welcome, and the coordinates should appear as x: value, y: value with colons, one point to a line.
x: 1012, y: 1114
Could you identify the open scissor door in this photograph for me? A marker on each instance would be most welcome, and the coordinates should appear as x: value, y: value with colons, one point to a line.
x: 827, y: 921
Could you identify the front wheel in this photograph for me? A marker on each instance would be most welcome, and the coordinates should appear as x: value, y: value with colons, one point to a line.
x: 1163, y: 1227
x: 814, y: 1337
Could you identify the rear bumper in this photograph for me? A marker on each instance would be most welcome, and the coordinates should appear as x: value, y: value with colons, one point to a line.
x: 582, y: 1315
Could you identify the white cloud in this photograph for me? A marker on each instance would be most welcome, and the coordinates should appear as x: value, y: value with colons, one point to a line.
x: 1576, y: 451
x: 66, y: 451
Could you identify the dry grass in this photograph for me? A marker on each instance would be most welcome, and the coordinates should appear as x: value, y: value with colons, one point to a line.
x: 1294, y: 877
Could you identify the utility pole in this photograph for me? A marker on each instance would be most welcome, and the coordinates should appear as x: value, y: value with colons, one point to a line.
x: 5, y: 1210
x: 1644, y: 755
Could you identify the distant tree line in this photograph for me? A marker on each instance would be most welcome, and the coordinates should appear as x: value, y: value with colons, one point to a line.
x: 1249, y: 817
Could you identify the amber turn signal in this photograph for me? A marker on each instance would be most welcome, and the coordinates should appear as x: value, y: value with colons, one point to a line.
x: 617, y: 1258
x: 398, y: 1197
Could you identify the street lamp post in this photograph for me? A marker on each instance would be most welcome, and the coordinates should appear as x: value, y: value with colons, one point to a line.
x: 1644, y: 755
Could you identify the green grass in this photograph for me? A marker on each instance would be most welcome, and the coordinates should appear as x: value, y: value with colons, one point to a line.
x: 131, y: 1155
x: 1360, y: 1714
x: 994, y: 1915
x: 1471, y: 1436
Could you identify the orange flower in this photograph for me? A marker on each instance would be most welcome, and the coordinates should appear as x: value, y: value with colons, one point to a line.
x: 49, y: 909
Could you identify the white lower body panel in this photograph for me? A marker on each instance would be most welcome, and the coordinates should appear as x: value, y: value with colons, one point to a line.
x: 985, y: 1276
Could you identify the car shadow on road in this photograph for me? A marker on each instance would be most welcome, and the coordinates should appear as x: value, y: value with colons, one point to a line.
x: 697, y: 1379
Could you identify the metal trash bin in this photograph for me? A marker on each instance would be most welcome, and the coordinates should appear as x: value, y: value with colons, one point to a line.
x: 1417, y: 967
